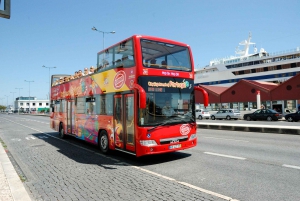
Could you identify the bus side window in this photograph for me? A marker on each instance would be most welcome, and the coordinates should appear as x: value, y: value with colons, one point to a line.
x: 102, y: 107
x: 90, y: 105
x: 109, y: 104
x: 106, y: 105
x: 62, y: 105
x: 80, y: 105
x: 97, y: 106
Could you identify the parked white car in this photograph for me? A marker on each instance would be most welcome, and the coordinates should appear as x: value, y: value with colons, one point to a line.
x: 202, y: 113
x: 226, y: 114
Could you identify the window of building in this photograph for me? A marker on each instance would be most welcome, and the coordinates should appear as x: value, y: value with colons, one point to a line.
x: 40, y: 104
x: 47, y: 104
x: 33, y: 104
x: 21, y: 104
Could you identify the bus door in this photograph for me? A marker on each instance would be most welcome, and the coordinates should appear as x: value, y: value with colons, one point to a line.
x: 124, y: 122
x: 70, y: 116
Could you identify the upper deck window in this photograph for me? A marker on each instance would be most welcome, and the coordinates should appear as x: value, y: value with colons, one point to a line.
x: 165, y: 56
x: 120, y: 55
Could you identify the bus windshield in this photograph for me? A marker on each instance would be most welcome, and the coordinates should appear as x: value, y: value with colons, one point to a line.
x: 169, y: 101
x: 166, y: 56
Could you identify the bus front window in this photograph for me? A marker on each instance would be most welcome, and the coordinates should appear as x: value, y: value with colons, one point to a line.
x: 168, y: 101
x: 165, y: 56
x: 170, y: 107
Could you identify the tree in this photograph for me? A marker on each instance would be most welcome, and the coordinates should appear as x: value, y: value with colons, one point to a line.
x: 2, y: 107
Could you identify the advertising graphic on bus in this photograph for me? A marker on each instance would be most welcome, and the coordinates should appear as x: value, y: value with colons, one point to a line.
x: 139, y: 99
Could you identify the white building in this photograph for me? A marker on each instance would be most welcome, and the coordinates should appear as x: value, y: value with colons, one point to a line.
x: 31, y: 103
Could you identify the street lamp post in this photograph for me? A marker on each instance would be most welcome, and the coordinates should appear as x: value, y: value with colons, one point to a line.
x: 19, y: 91
x: 2, y: 100
x: 13, y: 98
x: 49, y: 78
x: 1, y: 103
x: 29, y: 93
x: 103, y: 32
x: 19, y: 100
x: 7, y: 101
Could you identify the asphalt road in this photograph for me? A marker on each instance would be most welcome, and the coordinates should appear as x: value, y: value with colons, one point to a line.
x: 240, y: 165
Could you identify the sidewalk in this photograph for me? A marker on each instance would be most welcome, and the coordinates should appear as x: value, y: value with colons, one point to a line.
x: 11, y: 187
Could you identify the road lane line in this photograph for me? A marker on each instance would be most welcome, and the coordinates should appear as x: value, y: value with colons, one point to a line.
x: 227, y: 156
x: 226, y: 139
x: 186, y: 184
x: 291, y: 166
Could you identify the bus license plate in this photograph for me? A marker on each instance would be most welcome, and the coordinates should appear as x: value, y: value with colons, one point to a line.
x: 175, y: 146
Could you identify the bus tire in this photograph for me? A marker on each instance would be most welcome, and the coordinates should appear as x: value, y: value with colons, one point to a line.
x: 61, y: 131
x: 103, y: 142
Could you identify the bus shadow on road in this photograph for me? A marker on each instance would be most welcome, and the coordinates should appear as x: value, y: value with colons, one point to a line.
x: 86, y: 153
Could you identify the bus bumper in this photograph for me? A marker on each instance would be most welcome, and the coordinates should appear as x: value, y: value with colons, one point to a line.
x: 167, y: 148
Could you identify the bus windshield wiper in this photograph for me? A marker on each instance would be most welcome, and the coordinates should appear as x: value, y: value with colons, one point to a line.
x: 170, y: 121
x: 162, y: 124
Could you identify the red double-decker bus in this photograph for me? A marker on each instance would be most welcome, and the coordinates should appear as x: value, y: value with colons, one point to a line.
x: 140, y: 100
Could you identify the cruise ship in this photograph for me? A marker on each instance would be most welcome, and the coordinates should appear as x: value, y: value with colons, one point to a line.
x: 258, y: 66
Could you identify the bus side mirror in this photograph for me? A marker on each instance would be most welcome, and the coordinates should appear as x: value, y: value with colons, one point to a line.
x: 204, y: 93
x: 142, y: 95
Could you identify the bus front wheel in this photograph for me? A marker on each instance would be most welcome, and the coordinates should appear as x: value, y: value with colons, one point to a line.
x: 103, y: 142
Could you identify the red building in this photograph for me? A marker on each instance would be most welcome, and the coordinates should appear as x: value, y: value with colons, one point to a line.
x: 243, y: 94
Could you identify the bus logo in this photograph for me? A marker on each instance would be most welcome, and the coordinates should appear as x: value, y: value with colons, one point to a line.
x: 185, y: 129
x: 119, y: 79
x: 174, y: 141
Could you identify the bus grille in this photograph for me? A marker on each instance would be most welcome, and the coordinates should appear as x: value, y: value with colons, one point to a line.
x: 173, y: 140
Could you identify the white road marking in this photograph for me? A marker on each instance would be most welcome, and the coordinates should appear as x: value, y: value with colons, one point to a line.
x: 187, y: 184
x: 16, y: 139
x: 291, y: 166
x: 30, y: 138
x: 226, y: 139
x: 41, y: 137
x: 227, y: 156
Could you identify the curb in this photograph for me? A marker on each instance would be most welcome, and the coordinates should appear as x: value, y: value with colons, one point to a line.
x: 293, y: 130
x: 13, y: 188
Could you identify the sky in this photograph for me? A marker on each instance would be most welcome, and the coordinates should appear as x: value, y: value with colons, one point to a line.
x: 58, y: 33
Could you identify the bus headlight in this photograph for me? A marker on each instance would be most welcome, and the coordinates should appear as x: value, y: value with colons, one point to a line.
x: 193, y: 136
x: 148, y: 143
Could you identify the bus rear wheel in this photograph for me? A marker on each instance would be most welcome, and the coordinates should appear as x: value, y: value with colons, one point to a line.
x: 103, y: 142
